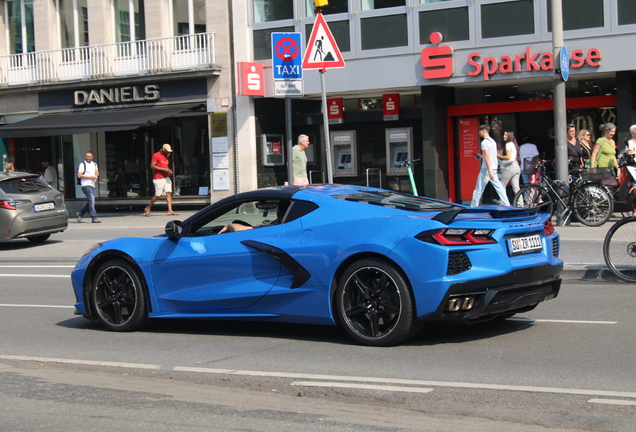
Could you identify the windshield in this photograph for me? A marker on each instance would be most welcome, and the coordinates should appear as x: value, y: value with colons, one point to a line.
x: 397, y: 200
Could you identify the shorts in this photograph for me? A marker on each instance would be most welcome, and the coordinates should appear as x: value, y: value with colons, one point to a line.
x: 301, y: 181
x: 162, y: 186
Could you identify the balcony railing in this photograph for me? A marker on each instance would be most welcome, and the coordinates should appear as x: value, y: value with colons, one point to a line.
x: 103, y: 61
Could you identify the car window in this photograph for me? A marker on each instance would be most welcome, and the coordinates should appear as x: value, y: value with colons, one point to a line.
x: 396, y: 200
x: 254, y: 213
x: 24, y: 185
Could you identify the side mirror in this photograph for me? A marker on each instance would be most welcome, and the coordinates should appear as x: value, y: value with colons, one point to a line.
x: 174, y: 229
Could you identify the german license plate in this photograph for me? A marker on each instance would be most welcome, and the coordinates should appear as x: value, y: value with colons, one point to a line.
x: 42, y: 207
x: 519, y: 245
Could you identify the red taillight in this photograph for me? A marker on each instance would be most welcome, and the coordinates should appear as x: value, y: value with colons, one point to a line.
x: 548, y: 228
x: 463, y: 237
x: 11, y: 204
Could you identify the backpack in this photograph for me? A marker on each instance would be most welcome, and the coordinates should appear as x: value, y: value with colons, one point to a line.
x: 79, y: 180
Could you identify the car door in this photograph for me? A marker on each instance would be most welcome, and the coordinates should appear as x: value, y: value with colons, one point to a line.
x: 212, y: 272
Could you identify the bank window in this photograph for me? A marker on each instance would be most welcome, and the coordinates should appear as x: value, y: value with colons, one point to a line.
x: 188, y: 17
x: 626, y: 12
x: 73, y: 23
x: 334, y: 7
x: 381, y: 4
x: 20, y: 26
x: 452, y: 23
x: 130, y: 23
x: 384, y: 32
x: 431, y: 1
x: 273, y: 10
x: 494, y: 24
x: 340, y: 32
x: 580, y: 14
x: 263, y: 41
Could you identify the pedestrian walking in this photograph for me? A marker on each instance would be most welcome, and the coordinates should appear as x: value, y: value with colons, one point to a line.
x: 510, y: 162
x: 299, y: 160
x: 160, y: 165
x: 488, y: 171
x: 88, y: 173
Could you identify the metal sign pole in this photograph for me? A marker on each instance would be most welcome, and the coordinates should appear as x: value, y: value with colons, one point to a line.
x: 560, y: 115
x: 325, y: 121
x: 290, y: 142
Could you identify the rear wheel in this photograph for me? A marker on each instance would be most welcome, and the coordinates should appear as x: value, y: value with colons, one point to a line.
x: 619, y: 249
x: 375, y: 304
x: 532, y: 195
x: 38, y: 238
x: 118, y: 297
x: 593, y: 205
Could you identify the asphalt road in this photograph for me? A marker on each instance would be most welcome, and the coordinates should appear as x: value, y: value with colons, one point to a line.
x: 567, y: 365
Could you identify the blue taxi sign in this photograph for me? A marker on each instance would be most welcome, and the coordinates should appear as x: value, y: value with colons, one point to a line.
x: 287, y: 56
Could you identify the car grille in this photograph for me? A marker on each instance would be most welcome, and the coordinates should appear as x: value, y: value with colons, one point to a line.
x: 458, y: 262
x: 555, y: 247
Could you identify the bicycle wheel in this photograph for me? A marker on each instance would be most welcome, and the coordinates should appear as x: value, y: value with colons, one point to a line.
x: 532, y: 196
x: 619, y: 249
x: 592, y: 205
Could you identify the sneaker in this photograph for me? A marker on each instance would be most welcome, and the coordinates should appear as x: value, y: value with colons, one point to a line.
x: 96, y: 221
x: 79, y: 217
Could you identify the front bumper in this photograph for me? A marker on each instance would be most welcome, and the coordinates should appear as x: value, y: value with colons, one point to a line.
x: 519, y: 290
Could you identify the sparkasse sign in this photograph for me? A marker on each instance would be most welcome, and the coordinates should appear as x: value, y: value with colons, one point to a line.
x: 438, y: 62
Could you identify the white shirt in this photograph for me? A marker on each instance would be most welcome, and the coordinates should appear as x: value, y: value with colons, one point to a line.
x: 91, y: 169
x: 527, y: 150
x: 513, y: 153
x: 490, y: 145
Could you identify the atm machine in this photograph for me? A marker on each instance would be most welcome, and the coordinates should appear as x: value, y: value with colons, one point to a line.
x: 273, y: 148
x: 344, y: 153
x: 399, y: 148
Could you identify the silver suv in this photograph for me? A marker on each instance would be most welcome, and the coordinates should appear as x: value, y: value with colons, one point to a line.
x: 29, y: 208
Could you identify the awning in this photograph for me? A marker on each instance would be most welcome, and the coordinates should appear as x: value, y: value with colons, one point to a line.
x: 90, y: 121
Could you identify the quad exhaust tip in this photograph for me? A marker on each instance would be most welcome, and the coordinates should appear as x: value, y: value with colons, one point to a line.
x: 457, y: 304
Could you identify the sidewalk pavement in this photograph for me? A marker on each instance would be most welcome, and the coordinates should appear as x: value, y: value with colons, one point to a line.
x: 581, y: 246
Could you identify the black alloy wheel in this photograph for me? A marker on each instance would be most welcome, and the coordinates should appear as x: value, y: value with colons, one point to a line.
x: 38, y: 238
x: 118, y: 297
x: 375, y: 304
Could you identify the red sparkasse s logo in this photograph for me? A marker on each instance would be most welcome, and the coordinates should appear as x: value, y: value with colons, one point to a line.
x: 437, y: 62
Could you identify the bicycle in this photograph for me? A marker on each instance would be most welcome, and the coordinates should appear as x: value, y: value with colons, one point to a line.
x: 589, y: 201
x: 408, y: 165
x: 619, y: 249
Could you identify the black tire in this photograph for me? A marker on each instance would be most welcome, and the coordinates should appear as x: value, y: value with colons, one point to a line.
x: 118, y: 297
x: 532, y: 195
x: 38, y: 238
x: 619, y: 249
x: 592, y: 205
x: 375, y: 304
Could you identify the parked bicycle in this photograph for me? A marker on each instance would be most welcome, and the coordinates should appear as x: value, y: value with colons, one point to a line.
x: 588, y: 200
x: 619, y: 249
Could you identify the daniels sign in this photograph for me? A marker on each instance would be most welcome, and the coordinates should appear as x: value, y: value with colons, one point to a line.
x: 437, y: 62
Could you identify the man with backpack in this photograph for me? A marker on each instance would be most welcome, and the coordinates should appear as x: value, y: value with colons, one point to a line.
x: 87, y: 174
x: 488, y: 171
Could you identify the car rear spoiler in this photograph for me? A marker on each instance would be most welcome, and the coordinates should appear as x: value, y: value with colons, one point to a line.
x: 516, y: 213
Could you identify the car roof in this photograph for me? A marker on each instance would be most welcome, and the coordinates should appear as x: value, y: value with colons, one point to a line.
x: 8, y: 175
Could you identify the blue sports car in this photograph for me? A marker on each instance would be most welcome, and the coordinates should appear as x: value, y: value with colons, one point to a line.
x: 377, y: 262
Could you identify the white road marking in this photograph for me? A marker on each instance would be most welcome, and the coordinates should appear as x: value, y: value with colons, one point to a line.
x: 37, y: 266
x: 33, y: 275
x: 299, y: 376
x: 563, y: 321
x: 613, y: 402
x: 361, y: 386
x: 37, y: 306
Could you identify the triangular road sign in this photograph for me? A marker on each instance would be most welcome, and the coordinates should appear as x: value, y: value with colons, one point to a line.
x: 322, y: 51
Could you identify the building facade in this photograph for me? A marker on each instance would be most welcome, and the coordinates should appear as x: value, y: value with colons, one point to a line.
x: 421, y: 75
x: 120, y: 78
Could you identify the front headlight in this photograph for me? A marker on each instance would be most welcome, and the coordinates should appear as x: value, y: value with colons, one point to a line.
x: 92, y: 248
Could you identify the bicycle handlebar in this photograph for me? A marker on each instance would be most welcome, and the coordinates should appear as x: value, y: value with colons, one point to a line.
x: 406, y: 163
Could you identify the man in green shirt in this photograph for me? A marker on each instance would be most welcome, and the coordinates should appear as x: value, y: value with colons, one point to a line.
x: 300, y: 161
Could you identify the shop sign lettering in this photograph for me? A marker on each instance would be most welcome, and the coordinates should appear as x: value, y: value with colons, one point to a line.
x: 117, y: 95
x: 437, y: 61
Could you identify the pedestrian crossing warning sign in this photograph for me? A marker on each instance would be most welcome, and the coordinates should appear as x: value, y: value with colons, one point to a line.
x: 322, y: 51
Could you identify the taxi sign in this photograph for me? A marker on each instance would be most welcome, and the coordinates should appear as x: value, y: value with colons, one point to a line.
x: 287, y: 56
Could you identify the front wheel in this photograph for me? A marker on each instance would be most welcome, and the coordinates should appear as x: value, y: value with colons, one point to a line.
x: 593, y: 205
x: 532, y: 195
x: 619, y: 249
x: 375, y: 304
x: 118, y: 296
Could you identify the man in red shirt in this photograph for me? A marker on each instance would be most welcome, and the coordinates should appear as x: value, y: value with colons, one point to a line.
x: 160, y: 166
